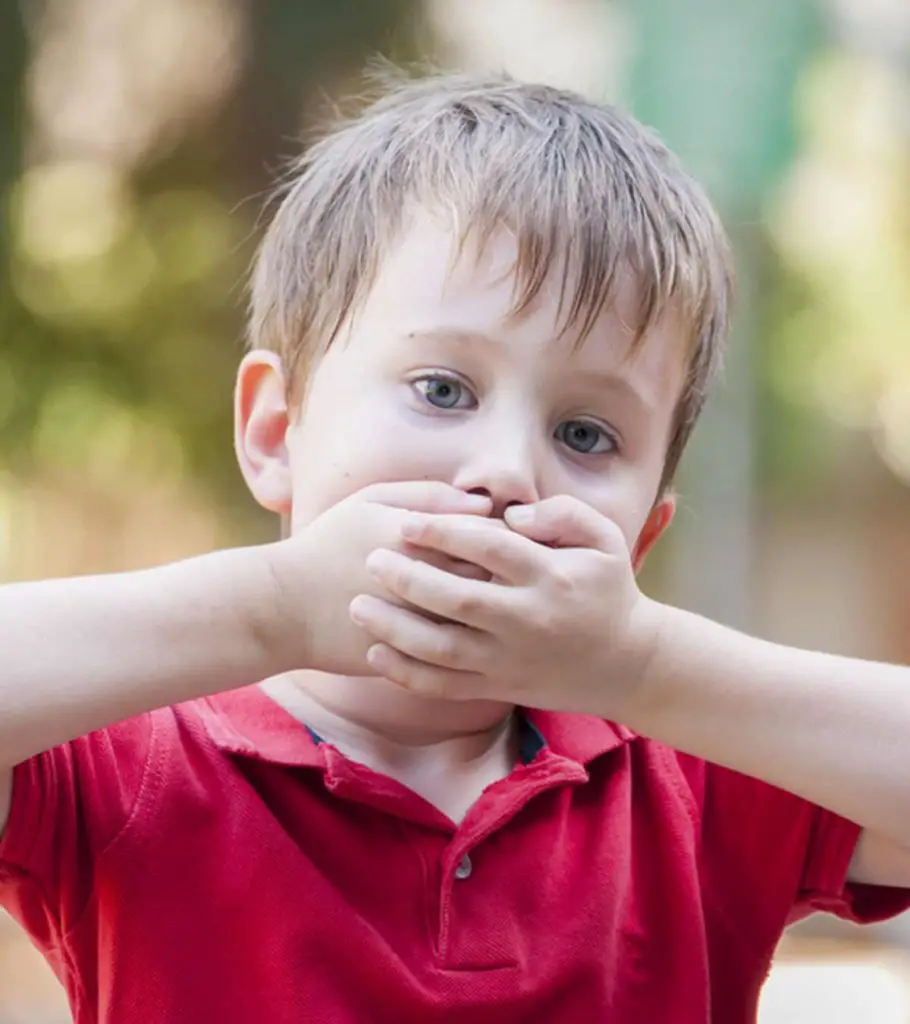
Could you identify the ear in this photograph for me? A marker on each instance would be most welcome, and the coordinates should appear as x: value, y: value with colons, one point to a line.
x: 658, y: 520
x: 261, y: 424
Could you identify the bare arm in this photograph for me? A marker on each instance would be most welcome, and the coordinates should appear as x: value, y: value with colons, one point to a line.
x: 833, y: 730
x: 79, y: 654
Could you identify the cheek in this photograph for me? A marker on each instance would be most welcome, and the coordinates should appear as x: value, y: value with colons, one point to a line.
x: 338, y: 450
x: 622, y: 495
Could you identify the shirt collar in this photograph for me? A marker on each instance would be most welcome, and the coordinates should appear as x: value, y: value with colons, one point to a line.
x: 580, y: 738
x: 249, y: 723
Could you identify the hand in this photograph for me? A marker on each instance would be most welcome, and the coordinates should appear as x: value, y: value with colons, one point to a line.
x: 315, y: 573
x: 560, y: 625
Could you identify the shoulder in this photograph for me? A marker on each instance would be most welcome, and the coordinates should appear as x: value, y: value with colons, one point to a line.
x: 71, y: 805
x: 81, y: 795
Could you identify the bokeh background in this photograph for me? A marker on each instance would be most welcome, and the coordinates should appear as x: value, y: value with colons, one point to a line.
x: 137, y: 141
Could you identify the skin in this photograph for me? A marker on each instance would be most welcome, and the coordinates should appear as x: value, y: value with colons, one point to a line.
x: 435, y: 379
x: 405, y: 616
x: 782, y: 715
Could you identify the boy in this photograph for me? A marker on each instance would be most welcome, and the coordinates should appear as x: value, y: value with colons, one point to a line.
x: 482, y: 324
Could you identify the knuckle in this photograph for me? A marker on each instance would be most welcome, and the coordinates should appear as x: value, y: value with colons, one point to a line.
x: 448, y: 649
x: 565, y: 504
x: 468, y: 604
x: 601, y: 568
x: 429, y: 684
x: 487, y: 548
x: 401, y: 581
x: 563, y: 580
x: 582, y: 570
x: 543, y: 619
x: 432, y: 528
x: 614, y: 541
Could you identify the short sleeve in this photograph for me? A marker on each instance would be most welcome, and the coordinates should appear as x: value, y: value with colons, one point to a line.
x: 68, y: 804
x: 824, y: 886
x: 769, y: 858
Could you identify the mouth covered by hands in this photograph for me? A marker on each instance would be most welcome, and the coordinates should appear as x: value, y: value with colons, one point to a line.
x: 542, y: 610
x: 313, y: 575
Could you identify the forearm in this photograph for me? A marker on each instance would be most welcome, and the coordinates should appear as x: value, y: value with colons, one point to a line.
x: 833, y: 730
x: 78, y: 654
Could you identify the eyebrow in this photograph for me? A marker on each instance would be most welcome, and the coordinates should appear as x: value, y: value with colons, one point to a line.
x: 461, y: 335
x: 613, y: 382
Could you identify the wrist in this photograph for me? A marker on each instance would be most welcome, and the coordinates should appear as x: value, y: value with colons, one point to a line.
x: 682, y: 674
x: 227, y: 601
x: 279, y: 645
x: 652, y: 628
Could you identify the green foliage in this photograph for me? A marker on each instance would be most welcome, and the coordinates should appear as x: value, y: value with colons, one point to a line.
x: 121, y: 293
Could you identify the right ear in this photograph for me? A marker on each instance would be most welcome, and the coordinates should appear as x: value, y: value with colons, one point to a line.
x: 261, y: 423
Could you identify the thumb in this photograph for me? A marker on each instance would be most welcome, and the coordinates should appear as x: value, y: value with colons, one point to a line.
x: 565, y: 522
x: 428, y: 496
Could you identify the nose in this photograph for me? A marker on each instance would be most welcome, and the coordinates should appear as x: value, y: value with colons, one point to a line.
x: 505, y: 473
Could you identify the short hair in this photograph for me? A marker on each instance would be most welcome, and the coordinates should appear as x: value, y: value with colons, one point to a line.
x: 588, y: 192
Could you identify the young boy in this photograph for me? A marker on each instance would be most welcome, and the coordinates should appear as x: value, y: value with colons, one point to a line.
x: 482, y: 326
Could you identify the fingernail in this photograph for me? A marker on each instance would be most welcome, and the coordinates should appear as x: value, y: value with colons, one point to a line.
x: 376, y: 560
x: 356, y: 609
x: 478, y: 500
x: 520, y: 515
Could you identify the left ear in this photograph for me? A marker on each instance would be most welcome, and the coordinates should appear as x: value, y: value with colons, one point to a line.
x: 659, y: 518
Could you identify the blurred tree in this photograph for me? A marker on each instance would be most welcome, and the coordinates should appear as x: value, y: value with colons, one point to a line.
x: 136, y: 144
x: 840, y: 303
x: 717, y: 80
x: 13, y: 59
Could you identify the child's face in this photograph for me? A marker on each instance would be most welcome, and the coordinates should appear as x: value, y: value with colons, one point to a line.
x: 434, y: 380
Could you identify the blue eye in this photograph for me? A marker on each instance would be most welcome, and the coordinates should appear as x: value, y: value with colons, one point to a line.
x: 444, y: 392
x: 585, y: 438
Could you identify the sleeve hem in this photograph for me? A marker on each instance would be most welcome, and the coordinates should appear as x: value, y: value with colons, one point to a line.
x: 826, y: 887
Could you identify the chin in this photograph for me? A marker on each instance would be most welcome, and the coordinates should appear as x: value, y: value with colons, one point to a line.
x: 384, y: 706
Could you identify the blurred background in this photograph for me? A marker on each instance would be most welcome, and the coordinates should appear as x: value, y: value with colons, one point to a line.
x: 137, y: 140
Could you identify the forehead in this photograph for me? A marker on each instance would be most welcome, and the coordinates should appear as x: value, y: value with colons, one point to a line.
x: 432, y: 280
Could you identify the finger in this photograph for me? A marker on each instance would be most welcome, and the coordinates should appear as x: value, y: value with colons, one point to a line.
x: 427, y: 496
x: 454, y: 566
x: 442, y: 644
x: 470, y: 602
x: 566, y: 522
x: 487, y: 543
x: 422, y: 679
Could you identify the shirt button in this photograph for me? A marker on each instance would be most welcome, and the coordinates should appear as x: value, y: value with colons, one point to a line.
x: 464, y: 869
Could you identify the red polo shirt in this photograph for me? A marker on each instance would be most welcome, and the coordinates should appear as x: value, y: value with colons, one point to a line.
x: 215, y: 862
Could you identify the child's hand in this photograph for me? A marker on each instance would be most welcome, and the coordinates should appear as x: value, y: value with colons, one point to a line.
x: 561, y: 626
x: 316, y: 573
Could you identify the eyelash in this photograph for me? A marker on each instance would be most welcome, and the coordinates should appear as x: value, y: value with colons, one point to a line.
x: 606, y: 435
x: 420, y: 384
x: 443, y: 378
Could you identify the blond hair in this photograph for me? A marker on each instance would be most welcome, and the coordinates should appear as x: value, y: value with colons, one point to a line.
x: 588, y: 192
